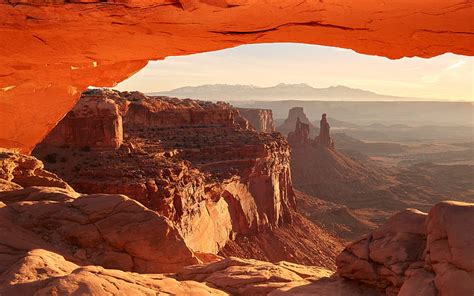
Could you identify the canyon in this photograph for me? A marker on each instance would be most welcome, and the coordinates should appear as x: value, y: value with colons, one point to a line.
x: 350, y: 193
x: 57, y: 241
x: 225, y: 186
x: 161, y: 207
x: 141, y: 195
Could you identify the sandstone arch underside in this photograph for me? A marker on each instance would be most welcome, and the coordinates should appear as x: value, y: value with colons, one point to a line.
x: 51, y: 50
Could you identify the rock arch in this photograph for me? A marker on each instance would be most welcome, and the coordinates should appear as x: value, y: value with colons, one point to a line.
x: 51, y: 50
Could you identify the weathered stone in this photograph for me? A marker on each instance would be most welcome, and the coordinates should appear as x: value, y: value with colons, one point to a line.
x: 197, y: 163
x: 416, y: 254
x: 92, y: 124
x: 260, y: 119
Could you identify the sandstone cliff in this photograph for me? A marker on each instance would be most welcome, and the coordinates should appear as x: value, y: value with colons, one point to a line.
x: 197, y: 163
x: 92, y: 123
x: 57, y: 241
x: 260, y: 119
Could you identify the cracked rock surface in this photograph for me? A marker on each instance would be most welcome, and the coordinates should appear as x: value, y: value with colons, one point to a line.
x: 57, y: 48
x: 415, y: 253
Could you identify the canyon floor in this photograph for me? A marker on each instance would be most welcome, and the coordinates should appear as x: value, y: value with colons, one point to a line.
x: 359, y: 184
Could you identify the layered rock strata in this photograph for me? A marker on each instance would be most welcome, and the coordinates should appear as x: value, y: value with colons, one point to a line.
x: 415, y: 253
x: 95, y: 124
x: 260, y: 119
x: 57, y: 241
x: 197, y: 163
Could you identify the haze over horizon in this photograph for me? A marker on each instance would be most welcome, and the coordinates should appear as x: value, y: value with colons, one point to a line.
x: 448, y: 77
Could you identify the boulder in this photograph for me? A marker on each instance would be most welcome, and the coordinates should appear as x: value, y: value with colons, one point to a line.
x: 416, y: 254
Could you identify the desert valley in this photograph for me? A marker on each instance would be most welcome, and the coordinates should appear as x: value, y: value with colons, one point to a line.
x: 214, y: 188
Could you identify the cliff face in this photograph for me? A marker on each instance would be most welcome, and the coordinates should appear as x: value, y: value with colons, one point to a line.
x: 196, y: 163
x: 260, y: 119
x: 92, y: 123
x: 55, y: 240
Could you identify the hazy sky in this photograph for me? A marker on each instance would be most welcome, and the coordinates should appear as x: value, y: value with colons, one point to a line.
x: 446, y: 77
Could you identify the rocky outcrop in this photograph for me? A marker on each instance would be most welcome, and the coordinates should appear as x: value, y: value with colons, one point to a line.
x: 303, y: 128
x: 91, y: 124
x: 260, y: 119
x: 324, y: 138
x: 18, y: 171
x: 196, y: 163
x: 416, y: 254
x: 42, y: 272
x: 252, y: 277
x: 113, y: 231
x: 295, y: 115
x: 56, y: 241
x: 300, y: 136
x: 301, y: 241
x: 320, y: 170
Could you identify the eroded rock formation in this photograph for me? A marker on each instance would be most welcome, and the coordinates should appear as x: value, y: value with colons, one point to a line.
x: 296, y: 114
x: 324, y: 139
x: 18, y: 171
x: 260, y: 119
x: 416, y: 254
x: 57, y: 241
x: 300, y: 135
x: 47, y: 63
x: 197, y: 163
x: 91, y: 124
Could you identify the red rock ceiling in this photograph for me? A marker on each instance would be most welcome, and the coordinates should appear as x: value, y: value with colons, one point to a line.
x: 51, y: 50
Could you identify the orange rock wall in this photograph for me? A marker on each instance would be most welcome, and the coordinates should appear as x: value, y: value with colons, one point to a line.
x: 197, y: 163
x: 51, y: 50
x: 91, y: 124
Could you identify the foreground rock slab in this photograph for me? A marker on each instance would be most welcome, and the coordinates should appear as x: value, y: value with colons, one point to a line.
x: 415, y: 253
x: 108, y: 230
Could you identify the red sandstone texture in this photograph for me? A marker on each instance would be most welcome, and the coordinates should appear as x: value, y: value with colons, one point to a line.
x: 416, y: 254
x: 47, y: 60
x: 56, y: 241
x: 260, y: 119
x: 197, y: 163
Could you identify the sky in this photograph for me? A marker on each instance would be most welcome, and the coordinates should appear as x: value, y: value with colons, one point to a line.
x: 446, y: 77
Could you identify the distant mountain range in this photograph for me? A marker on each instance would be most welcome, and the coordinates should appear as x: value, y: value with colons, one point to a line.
x: 282, y: 91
